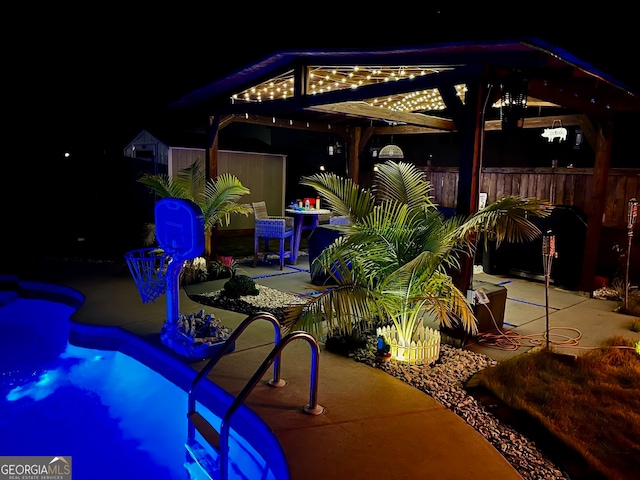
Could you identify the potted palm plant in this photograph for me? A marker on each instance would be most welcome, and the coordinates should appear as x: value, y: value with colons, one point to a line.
x: 394, y: 261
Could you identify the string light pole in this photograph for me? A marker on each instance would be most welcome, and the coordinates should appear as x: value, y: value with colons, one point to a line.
x: 632, y: 216
x: 548, y: 254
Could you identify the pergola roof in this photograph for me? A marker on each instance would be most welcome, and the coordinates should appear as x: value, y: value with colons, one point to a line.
x: 415, y: 86
x: 425, y: 89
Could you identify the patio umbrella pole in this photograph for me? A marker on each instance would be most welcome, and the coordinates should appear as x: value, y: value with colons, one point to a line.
x: 548, y: 254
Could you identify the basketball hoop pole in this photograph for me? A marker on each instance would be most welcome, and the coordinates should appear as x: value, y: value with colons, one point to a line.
x: 180, y: 233
x: 172, y: 280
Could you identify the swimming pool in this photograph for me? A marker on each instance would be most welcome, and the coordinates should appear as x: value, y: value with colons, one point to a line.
x: 112, y: 402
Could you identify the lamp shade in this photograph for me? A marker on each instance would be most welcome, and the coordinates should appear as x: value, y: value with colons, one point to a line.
x: 390, y: 151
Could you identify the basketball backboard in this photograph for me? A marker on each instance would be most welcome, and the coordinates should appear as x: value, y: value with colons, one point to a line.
x: 180, y: 227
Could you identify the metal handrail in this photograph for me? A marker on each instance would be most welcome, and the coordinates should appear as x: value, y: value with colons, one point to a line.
x: 228, y: 344
x: 312, y: 408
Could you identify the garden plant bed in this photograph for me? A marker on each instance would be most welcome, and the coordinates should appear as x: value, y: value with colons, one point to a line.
x: 268, y: 300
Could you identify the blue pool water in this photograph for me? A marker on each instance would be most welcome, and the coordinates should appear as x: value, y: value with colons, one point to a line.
x: 106, y: 408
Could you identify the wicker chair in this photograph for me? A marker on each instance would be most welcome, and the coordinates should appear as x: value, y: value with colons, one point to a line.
x: 269, y: 226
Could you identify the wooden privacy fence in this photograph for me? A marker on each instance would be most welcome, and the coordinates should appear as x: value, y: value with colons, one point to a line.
x: 424, y: 346
x: 560, y: 186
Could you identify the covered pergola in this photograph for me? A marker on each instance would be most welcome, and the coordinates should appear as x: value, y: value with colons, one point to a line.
x: 468, y: 88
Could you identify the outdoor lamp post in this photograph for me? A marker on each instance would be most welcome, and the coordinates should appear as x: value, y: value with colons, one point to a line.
x: 632, y: 216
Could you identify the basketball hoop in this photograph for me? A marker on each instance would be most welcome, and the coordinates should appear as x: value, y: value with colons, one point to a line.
x: 148, y: 268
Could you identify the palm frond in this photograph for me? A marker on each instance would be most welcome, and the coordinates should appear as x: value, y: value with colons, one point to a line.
x: 341, y: 195
x: 164, y: 186
x: 403, y: 183
x: 335, y: 311
x: 192, y: 180
x: 220, y: 200
x: 508, y: 219
x: 448, y: 304
x: 149, y: 234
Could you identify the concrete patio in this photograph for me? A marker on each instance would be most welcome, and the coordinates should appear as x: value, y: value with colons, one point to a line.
x: 366, y: 410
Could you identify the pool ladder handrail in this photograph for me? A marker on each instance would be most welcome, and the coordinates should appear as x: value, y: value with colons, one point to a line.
x: 221, y: 441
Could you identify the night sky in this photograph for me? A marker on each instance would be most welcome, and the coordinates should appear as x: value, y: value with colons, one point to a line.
x: 88, y: 79
x: 96, y: 78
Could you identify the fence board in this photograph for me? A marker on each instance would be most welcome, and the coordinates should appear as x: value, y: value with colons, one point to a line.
x: 620, y: 200
x: 515, y: 185
x: 570, y: 187
x: 559, y: 182
x: 573, y: 187
x: 524, y: 186
x: 500, y: 186
x: 581, y: 190
x: 542, y: 187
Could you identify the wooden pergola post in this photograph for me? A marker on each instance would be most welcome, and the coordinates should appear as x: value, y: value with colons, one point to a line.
x: 211, y: 172
x: 471, y: 127
x: 604, y: 143
x: 354, y: 153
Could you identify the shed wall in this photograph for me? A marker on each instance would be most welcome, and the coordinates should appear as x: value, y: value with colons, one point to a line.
x: 263, y: 174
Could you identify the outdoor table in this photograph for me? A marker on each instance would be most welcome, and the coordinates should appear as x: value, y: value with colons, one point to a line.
x: 299, y: 225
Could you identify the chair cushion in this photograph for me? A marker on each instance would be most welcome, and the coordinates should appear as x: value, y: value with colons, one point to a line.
x: 273, y: 228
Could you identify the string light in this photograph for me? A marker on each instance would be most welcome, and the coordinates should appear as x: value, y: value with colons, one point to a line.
x: 324, y: 79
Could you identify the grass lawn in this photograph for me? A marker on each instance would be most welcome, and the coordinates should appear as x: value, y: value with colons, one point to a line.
x: 591, y: 404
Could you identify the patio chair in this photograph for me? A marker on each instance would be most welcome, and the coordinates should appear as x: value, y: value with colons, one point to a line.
x: 268, y: 227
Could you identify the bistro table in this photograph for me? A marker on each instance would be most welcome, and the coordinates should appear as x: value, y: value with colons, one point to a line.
x: 299, y: 225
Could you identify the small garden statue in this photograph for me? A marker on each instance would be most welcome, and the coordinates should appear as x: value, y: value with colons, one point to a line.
x: 383, y: 353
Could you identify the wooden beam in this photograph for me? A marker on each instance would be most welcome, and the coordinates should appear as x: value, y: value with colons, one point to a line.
x: 285, y: 123
x: 226, y: 120
x: 589, y: 131
x: 537, y: 122
x: 490, y: 125
x: 364, y: 138
x: 364, y: 110
x: 429, y: 124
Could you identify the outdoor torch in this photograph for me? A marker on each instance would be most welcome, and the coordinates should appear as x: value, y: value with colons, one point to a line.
x: 632, y: 216
x: 548, y: 254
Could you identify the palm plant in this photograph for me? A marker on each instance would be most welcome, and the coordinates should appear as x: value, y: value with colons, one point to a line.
x: 394, y: 260
x: 217, y: 198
